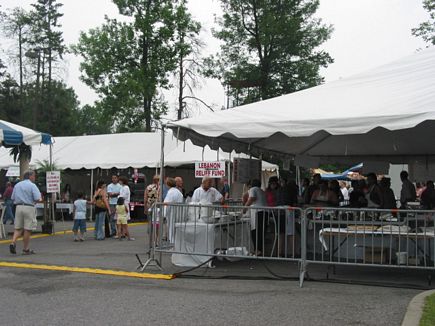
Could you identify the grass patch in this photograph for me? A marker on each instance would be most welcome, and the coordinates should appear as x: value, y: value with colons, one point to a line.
x: 428, y: 318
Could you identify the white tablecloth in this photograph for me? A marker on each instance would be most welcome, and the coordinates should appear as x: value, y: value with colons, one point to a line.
x: 203, y: 238
x: 345, y: 233
x: 59, y: 207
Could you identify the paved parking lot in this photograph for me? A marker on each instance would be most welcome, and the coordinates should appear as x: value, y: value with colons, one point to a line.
x: 43, y: 297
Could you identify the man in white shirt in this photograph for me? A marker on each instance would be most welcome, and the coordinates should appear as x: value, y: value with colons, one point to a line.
x: 206, y: 193
x: 113, y: 191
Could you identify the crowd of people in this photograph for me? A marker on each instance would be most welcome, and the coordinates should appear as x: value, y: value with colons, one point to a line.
x: 113, y: 200
x: 370, y: 192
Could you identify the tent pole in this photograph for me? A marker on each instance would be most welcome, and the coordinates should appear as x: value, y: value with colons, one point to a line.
x: 53, y: 195
x: 92, y: 193
x: 162, y: 162
x: 229, y: 171
x: 298, y: 179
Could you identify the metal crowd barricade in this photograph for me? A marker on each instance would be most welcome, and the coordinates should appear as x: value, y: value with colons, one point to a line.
x: 193, y: 234
x: 370, y: 237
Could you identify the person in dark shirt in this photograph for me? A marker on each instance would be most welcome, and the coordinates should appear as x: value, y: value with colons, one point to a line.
x: 428, y: 196
x: 389, y: 200
x: 356, y: 197
x: 312, y: 188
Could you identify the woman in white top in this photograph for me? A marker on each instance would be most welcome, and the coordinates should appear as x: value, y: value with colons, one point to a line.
x: 257, y: 198
x: 173, y: 196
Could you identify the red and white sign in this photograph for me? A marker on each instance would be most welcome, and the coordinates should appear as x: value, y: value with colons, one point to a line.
x: 210, y: 169
x: 53, y: 181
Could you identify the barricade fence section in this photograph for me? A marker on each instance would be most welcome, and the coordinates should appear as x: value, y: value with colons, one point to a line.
x: 194, y: 233
x: 373, y: 237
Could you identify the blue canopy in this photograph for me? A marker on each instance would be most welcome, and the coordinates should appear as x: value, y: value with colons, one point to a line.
x: 341, y: 176
x: 12, y: 134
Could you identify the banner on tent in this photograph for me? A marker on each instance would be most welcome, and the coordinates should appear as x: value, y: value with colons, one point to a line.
x: 210, y: 169
x: 53, y: 181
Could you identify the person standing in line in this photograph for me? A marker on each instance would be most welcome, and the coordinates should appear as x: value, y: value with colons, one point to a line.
x: 79, y: 218
x: 9, y: 215
x: 206, y: 193
x: 257, y: 200
x: 113, y: 191
x: 125, y: 193
x: 408, y: 193
x: 179, y: 184
x: 25, y: 195
x: 344, y: 191
x: 174, y: 195
x: 225, y: 191
x: 151, y: 194
x: 101, y: 208
x: 121, y: 219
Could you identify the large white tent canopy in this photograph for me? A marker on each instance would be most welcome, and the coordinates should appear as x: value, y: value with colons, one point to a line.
x: 136, y: 150
x: 387, y: 113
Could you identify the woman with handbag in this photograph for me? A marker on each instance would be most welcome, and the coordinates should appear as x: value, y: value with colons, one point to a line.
x: 101, y: 208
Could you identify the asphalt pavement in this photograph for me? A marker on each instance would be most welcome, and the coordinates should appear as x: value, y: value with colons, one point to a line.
x: 207, y: 297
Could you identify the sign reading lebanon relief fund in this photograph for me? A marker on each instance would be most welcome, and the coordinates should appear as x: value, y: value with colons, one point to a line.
x: 210, y: 169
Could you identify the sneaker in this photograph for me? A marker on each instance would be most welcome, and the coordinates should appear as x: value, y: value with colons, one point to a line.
x: 28, y: 252
x: 115, y: 237
x: 81, y: 239
x: 12, y: 248
x: 131, y: 239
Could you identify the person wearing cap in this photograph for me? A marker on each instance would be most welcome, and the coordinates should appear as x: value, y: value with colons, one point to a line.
x: 25, y: 195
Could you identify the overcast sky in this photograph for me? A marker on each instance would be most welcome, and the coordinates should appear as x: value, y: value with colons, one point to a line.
x: 367, y: 33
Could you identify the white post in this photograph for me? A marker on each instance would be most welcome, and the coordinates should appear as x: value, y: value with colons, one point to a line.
x: 162, y: 162
x: 298, y: 179
x: 92, y: 193
x: 229, y: 171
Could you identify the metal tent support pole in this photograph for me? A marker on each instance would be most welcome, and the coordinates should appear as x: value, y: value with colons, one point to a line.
x: 229, y: 171
x: 92, y: 193
x: 298, y: 179
x: 152, y: 260
x: 53, y: 195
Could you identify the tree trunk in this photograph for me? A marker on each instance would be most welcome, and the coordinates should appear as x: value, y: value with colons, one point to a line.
x: 24, y: 166
x: 181, y: 89
x: 147, y: 113
x: 20, y: 49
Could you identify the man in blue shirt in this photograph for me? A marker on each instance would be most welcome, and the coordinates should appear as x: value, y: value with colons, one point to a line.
x: 113, y: 192
x: 25, y: 195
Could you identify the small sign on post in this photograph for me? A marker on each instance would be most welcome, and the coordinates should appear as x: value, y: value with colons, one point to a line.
x: 13, y: 171
x: 210, y: 169
x: 53, y: 181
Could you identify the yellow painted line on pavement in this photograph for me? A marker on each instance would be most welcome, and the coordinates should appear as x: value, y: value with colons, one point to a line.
x: 88, y: 271
x: 38, y: 236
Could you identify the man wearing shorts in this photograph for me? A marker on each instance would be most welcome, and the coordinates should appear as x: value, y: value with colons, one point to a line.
x: 25, y: 195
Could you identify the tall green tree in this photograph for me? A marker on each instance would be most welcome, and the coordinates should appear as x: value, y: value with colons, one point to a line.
x: 16, y: 25
x: 47, y: 36
x: 269, y: 47
x: 127, y: 63
x: 188, y: 48
x: 426, y: 30
x: 47, y: 48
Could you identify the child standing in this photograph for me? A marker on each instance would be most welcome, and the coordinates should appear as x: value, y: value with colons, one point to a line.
x: 79, y: 218
x: 121, y: 218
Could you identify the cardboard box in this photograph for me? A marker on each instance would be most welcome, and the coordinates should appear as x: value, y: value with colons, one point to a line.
x: 376, y: 255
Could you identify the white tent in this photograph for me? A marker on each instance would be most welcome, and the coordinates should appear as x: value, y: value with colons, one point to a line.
x: 136, y: 150
x: 387, y: 112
